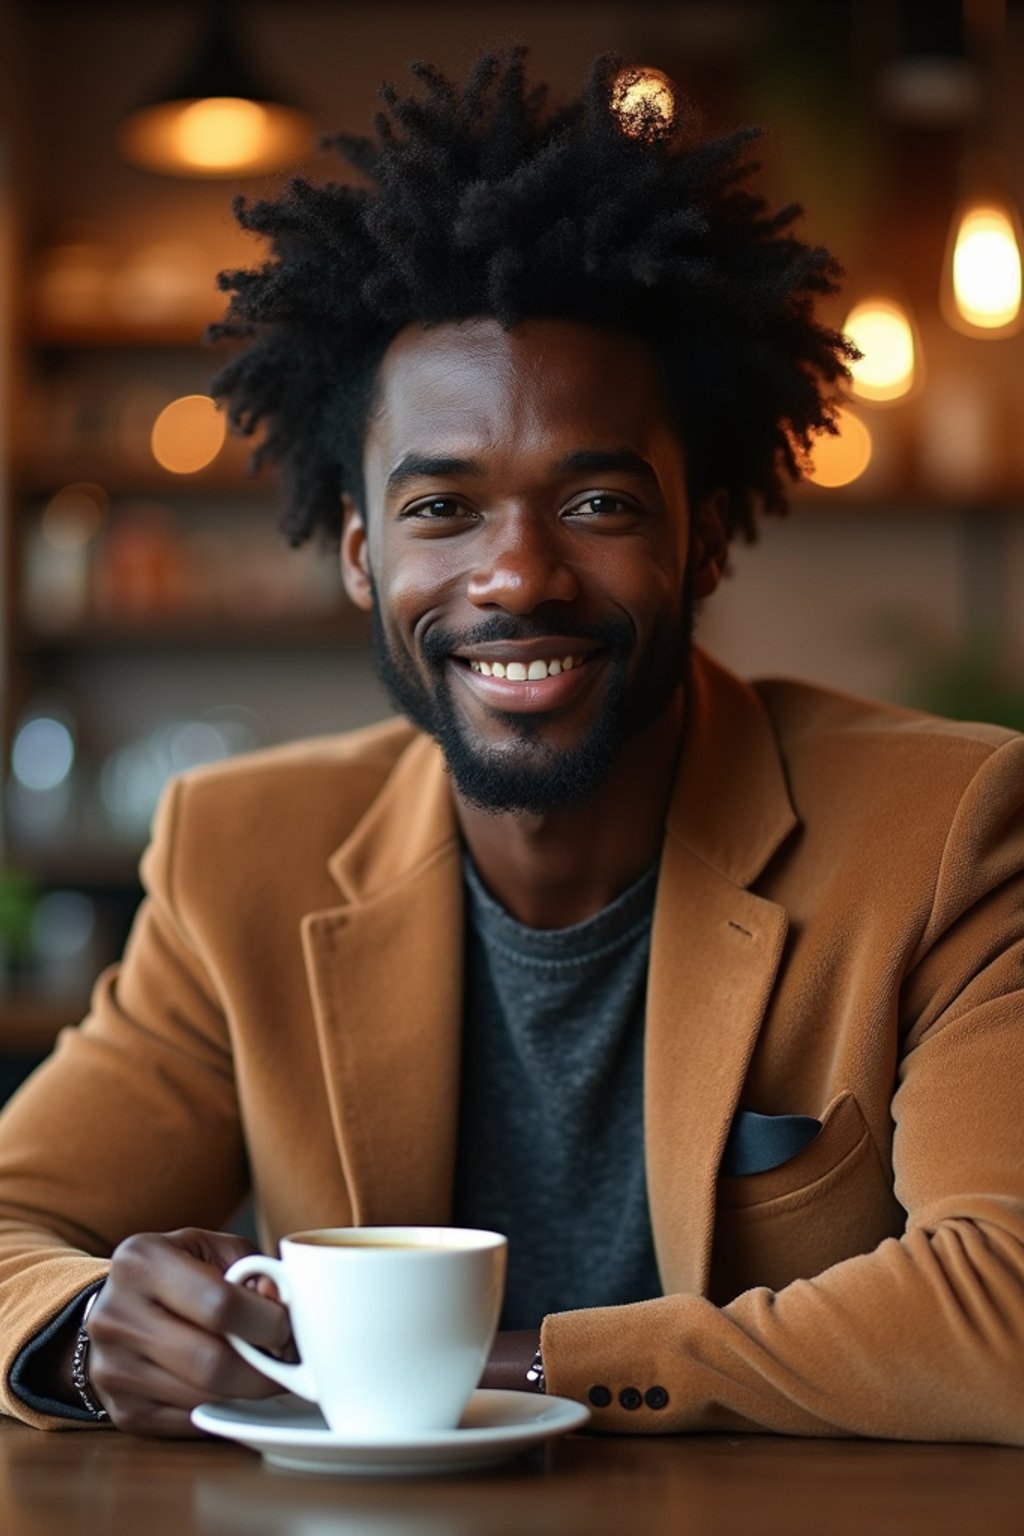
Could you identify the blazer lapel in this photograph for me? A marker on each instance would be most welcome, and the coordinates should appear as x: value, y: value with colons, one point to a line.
x: 385, y: 975
x: 715, y: 952
x: 714, y: 956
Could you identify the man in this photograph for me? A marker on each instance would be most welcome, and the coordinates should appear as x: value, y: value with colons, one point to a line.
x: 709, y: 995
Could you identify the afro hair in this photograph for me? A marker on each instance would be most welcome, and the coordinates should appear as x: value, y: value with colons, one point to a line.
x: 484, y: 200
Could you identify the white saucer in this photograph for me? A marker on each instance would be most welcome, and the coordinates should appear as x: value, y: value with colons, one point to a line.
x: 289, y: 1432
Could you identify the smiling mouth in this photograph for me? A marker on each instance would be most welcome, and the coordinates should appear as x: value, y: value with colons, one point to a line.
x: 526, y: 671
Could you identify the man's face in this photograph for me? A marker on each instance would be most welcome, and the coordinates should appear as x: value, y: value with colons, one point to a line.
x: 524, y: 551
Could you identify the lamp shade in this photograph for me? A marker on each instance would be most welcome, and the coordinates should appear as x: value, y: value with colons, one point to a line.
x: 217, y: 119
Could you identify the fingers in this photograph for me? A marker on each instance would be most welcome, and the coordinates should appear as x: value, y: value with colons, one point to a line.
x: 144, y: 1399
x: 141, y: 1398
x: 126, y: 1349
x: 156, y: 1267
x: 265, y: 1286
x: 157, y: 1330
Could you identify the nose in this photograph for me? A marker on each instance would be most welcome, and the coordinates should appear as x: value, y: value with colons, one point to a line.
x: 520, y: 566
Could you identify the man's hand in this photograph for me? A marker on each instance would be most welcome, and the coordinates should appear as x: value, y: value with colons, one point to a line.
x: 156, y: 1332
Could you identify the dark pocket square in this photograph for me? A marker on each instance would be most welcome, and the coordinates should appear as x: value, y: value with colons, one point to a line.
x: 759, y: 1142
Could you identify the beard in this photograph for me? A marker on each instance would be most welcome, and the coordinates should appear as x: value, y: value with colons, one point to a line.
x: 531, y: 775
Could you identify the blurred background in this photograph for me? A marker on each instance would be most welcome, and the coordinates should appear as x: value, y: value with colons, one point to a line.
x: 152, y: 618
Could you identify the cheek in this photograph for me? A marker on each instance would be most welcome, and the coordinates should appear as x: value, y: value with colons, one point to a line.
x: 422, y: 574
x: 413, y: 592
x: 641, y: 580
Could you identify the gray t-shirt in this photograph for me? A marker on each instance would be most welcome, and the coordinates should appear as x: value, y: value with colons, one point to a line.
x: 551, y: 1121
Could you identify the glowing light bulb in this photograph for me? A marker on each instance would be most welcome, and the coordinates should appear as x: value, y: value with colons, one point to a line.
x: 840, y: 459
x: 220, y: 131
x: 882, y: 331
x: 644, y: 102
x: 215, y: 136
x: 986, y: 269
x: 188, y: 434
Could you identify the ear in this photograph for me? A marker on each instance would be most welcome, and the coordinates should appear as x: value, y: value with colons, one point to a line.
x: 709, y: 546
x: 355, y: 564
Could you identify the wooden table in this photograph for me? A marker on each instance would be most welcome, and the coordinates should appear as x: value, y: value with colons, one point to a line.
x: 92, y: 1482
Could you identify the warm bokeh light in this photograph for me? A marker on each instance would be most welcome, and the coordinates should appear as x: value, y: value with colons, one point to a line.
x: 216, y: 136
x: 221, y: 132
x: 884, y: 334
x: 164, y: 281
x: 73, y: 516
x: 986, y: 268
x: 643, y: 100
x: 843, y: 458
x: 188, y: 434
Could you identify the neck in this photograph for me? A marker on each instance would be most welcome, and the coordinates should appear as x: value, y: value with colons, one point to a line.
x: 561, y: 867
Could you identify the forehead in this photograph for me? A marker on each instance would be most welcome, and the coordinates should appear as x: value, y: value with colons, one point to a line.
x: 542, y: 382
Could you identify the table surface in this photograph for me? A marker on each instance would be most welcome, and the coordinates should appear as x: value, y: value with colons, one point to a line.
x: 76, y: 1483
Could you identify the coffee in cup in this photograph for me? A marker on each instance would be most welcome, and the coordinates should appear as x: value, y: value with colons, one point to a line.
x: 393, y: 1325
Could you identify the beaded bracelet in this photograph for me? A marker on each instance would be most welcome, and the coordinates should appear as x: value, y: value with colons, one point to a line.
x: 79, y: 1373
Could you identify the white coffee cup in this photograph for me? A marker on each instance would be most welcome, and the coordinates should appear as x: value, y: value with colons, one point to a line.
x: 393, y: 1324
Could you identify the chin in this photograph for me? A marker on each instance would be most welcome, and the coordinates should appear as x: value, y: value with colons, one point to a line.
x: 534, y: 782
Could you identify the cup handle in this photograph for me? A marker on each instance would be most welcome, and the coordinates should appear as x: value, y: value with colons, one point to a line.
x: 296, y: 1378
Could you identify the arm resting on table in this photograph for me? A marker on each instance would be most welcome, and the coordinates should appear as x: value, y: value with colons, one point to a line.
x: 131, y: 1125
x: 922, y: 1338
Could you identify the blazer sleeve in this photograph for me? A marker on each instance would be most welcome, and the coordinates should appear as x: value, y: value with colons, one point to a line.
x: 923, y: 1338
x: 131, y: 1125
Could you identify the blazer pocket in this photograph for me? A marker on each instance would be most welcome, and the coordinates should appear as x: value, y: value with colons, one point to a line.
x: 832, y: 1200
x: 843, y: 1134
x: 758, y: 1143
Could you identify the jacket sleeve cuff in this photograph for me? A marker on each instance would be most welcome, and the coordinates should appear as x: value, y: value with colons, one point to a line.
x: 23, y: 1370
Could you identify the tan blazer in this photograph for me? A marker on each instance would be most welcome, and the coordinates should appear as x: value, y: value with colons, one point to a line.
x: 839, y: 932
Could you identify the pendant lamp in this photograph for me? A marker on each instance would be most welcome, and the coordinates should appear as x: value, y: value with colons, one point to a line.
x: 218, y: 119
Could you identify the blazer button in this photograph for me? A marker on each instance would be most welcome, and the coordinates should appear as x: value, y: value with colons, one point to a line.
x: 656, y: 1397
x: 600, y: 1397
x: 630, y: 1398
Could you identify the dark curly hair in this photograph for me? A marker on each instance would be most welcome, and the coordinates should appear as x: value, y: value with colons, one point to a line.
x: 485, y: 201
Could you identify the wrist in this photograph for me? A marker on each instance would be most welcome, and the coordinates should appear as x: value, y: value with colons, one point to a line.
x: 79, y: 1366
x: 511, y: 1361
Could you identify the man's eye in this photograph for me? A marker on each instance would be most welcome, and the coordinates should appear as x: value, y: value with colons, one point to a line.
x: 600, y: 506
x: 437, y: 509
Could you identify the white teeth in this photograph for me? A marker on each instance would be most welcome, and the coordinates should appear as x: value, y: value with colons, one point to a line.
x: 521, y: 672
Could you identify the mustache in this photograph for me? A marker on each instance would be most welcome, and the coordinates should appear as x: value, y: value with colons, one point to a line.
x: 616, y: 633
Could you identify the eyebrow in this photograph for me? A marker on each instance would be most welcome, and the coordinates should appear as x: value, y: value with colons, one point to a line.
x: 622, y: 461
x: 421, y: 466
